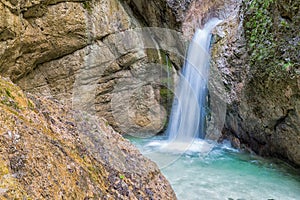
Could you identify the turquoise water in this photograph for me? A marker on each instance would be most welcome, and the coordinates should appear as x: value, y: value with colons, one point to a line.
x: 206, y: 170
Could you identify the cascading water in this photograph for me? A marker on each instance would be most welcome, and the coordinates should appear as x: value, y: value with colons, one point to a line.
x: 188, y: 111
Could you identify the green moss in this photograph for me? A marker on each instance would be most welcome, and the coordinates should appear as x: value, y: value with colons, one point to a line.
x: 30, y: 105
x: 284, y: 24
x: 258, y: 27
x: 287, y: 66
x: 9, y: 102
x: 121, y: 176
x: 265, y: 39
x: 166, y: 61
x: 8, y: 93
x: 165, y: 93
x: 166, y: 96
x: 87, y: 6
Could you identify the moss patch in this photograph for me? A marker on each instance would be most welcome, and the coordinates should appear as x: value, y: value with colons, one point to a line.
x: 271, y: 30
x: 87, y: 5
x: 269, y: 33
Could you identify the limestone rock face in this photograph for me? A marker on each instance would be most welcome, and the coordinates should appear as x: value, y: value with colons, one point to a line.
x: 161, y: 13
x: 51, y: 152
x: 269, y: 115
x: 82, y: 52
x: 32, y: 41
x: 85, y: 54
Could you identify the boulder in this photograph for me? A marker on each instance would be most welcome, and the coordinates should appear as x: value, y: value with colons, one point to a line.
x: 51, y: 152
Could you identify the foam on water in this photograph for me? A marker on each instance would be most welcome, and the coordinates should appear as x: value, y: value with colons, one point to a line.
x: 177, y: 147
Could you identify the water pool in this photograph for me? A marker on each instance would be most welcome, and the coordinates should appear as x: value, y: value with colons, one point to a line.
x: 206, y: 170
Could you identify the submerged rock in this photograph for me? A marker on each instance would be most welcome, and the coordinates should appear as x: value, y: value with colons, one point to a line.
x: 51, y: 152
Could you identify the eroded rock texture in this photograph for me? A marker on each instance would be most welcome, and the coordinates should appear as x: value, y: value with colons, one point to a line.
x: 88, y: 54
x: 269, y: 115
x: 257, y: 53
x: 51, y: 152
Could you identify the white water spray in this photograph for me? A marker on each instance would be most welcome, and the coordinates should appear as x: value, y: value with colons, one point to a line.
x: 187, y: 118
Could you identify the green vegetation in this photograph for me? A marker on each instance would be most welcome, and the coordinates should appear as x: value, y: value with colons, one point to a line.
x: 6, y: 98
x: 30, y: 105
x: 166, y: 61
x: 87, y: 6
x: 287, y: 66
x: 122, y: 176
x: 267, y: 35
x: 259, y: 30
x: 165, y: 93
x: 8, y: 93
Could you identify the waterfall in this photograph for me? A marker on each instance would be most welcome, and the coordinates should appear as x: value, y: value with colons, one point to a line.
x: 187, y: 119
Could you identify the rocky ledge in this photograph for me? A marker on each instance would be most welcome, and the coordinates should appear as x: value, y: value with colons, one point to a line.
x: 51, y: 152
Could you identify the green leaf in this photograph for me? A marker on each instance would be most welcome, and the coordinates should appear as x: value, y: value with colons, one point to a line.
x: 122, y: 176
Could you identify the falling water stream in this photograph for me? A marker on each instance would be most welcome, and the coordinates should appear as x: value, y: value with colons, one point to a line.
x: 188, y: 110
x: 199, y: 169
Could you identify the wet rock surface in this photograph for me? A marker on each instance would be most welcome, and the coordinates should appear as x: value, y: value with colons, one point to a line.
x: 269, y: 111
x: 256, y: 53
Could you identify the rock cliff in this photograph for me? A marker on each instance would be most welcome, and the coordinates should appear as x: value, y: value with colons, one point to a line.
x: 82, y: 52
x: 85, y: 54
x: 51, y: 152
x: 267, y: 116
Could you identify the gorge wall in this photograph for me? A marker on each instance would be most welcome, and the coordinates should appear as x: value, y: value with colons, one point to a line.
x: 266, y: 117
x: 85, y: 54
x: 256, y: 51
x: 256, y: 57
